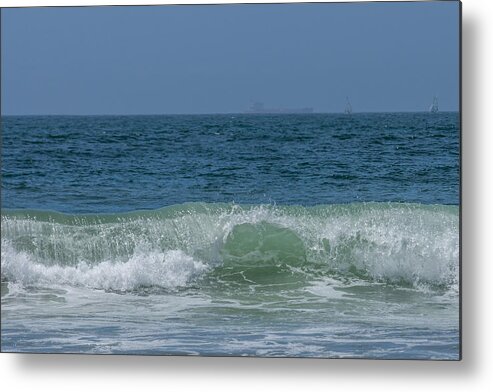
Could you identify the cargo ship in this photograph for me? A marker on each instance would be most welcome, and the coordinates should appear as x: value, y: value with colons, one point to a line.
x: 259, y: 108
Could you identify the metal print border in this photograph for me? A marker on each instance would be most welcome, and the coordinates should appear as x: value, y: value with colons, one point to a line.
x: 461, y: 160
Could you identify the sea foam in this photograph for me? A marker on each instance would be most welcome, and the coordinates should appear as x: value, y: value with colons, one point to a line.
x: 171, y: 270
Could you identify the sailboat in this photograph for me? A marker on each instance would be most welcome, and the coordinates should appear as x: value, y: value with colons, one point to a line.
x: 348, y: 109
x: 434, y: 105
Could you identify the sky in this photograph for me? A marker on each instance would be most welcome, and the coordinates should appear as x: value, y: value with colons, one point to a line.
x: 222, y: 58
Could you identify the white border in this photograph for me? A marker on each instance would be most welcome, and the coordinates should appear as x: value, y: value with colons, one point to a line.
x: 145, y: 374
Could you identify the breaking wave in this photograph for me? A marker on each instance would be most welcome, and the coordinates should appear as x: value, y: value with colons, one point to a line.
x: 190, y: 244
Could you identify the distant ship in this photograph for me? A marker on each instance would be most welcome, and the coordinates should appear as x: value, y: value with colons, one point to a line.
x: 258, y: 108
x: 348, y: 109
x: 434, y: 105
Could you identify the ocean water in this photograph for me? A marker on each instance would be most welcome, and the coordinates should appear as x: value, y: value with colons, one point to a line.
x: 318, y: 235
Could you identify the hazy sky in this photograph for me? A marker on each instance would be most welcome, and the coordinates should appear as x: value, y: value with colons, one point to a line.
x: 212, y: 59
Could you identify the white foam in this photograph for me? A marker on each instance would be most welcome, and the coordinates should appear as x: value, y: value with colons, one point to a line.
x: 171, y: 269
x: 326, y: 289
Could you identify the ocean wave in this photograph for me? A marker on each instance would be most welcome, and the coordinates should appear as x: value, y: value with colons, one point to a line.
x: 178, y: 246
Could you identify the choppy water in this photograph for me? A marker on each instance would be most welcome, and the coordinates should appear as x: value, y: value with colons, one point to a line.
x: 283, y: 235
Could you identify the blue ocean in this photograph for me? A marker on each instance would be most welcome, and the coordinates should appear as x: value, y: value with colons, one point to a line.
x: 273, y: 235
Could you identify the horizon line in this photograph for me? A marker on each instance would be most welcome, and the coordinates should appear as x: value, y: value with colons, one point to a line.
x: 218, y: 113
